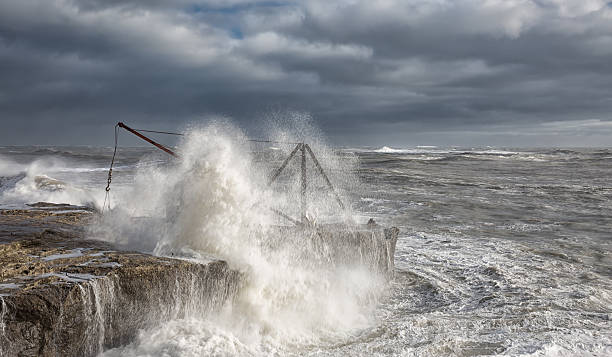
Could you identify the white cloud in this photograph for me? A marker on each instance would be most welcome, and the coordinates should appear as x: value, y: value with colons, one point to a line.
x: 418, y: 72
x: 273, y: 43
x: 489, y: 17
x: 574, y: 8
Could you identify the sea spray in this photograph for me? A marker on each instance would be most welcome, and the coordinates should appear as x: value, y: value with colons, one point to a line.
x: 214, y: 201
x: 93, y: 315
x: 4, y: 309
x: 33, y: 182
x: 287, y: 128
x: 101, y: 291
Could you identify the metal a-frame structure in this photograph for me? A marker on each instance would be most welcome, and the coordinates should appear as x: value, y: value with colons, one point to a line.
x: 303, y: 148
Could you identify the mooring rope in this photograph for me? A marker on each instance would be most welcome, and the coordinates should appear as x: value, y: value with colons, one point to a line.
x: 272, y: 141
x: 252, y: 140
x: 110, y: 173
x: 159, y: 132
x: 182, y: 134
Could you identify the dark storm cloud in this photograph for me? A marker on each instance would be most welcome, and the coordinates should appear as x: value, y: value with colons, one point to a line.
x: 369, y: 72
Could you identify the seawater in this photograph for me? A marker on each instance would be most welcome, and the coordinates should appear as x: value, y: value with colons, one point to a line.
x: 502, y: 251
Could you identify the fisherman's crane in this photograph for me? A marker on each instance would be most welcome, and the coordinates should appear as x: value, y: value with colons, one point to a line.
x: 303, y: 148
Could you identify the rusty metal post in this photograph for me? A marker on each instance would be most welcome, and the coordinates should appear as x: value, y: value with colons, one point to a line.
x: 303, y: 195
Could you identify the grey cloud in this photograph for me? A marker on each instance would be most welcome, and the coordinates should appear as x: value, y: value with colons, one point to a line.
x: 360, y: 67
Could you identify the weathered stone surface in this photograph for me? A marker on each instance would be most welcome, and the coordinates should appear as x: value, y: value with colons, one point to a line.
x: 62, y: 295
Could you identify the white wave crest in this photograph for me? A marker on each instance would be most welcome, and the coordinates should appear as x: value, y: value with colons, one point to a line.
x: 28, y: 183
x: 386, y: 149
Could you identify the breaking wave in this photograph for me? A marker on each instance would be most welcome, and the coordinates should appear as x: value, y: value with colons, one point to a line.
x: 215, y: 202
x: 386, y: 149
x: 31, y: 182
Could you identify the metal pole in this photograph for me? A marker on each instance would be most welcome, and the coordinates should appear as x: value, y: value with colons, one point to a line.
x: 280, y: 169
x: 303, y: 196
x: 294, y: 221
x: 159, y: 146
x: 322, y: 172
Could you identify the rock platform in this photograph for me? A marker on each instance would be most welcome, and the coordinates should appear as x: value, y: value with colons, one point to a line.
x: 64, y: 295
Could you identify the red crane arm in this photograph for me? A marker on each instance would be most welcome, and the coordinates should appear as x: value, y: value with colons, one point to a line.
x: 159, y: 146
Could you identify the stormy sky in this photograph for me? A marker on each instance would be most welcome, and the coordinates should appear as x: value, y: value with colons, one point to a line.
x: 388, y: 72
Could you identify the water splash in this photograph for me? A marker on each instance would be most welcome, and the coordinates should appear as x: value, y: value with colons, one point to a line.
x: 4, y: 309
x: 32, y: 182
x: 214, y: 201
x: 93, y: 314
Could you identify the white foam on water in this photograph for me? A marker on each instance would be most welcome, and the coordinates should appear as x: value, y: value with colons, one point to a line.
x: 33, y: 182
x: 436, y: 150
x: 9, y: 167
x: 186, y: 338
x: 468, y: 296
x: 386, y: 149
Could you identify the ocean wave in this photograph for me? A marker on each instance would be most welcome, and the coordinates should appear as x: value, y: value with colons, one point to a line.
x: 563, y: 151
x: 8, y: 182
x: 491, y: 152
x: 44, y: 182
x: 35, y: 182
x: 97, y: 169
x: 414, y: 151
x: 71, y: 154
x: 435, y: 150
x: 91, y: 154
x: 388, y: 150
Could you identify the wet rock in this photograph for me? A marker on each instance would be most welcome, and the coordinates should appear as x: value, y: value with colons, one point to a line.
x: 63, y: 295
x: 370, y: 246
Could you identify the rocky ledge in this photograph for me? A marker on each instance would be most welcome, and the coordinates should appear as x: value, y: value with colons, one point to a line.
x: 64, y: 295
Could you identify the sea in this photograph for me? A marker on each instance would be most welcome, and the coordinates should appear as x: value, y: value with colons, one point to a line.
x: 501, y: 251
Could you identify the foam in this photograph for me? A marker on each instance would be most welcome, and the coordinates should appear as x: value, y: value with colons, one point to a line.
x: 33, y: 182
